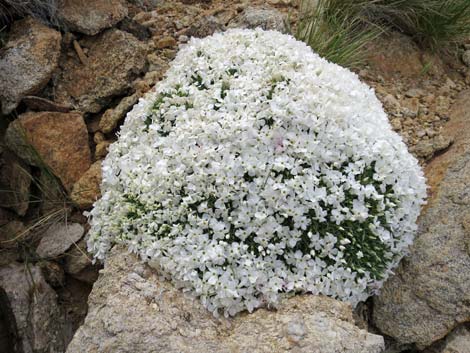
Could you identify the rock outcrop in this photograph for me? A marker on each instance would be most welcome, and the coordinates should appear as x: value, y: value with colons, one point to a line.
x: 115, y: 58
x: 27, y: 61
x: 56, y: 140
x: 430, y: 293
x: 132, y: 309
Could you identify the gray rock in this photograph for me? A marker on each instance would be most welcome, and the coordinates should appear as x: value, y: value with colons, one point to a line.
x: 32, y: 310
x: 115, y: 59
x: 58, y: 238
x: 265, y: 17
x: 430, y: 293
x: 132, y: 309
x: 27, y: 61
x: 90, y: 16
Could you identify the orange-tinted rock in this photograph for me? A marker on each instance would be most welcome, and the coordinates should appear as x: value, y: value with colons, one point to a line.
x: 56, y: 140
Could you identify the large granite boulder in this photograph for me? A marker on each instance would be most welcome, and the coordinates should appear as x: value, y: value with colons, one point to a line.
x: 132, y: 309
x: 27, y: 61
x: 115, y: 59
x: 430, y: 293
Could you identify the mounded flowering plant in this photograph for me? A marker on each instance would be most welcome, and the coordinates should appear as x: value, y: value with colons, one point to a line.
x: 257, y: 169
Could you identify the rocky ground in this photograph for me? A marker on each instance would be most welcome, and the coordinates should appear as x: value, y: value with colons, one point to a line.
x: 65, y: 91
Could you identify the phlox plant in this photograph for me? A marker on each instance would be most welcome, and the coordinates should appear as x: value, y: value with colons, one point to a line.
x: 256, y: 170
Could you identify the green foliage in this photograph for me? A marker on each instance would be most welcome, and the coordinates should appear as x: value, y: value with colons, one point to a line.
x: 339, y: 29
x: 432, y: 23
x: 336, y: 30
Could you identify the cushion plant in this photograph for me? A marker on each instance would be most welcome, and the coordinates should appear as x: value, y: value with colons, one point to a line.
x: 258, y: 169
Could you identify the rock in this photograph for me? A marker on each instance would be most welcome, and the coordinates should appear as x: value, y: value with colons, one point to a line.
x: 58, y: 238
x: 414, y: 93
x: 425, y: 149
x: 32, y: 309
x: 166, y: 42
x: 87, y: 189
x: 90, y: 16
x: 78, y: 264
x: 56, y: 140
x: 27, y: 61
x: 466, y: 57
x: 111, y: 117
x: 456, y: 342
x: 411, y: 107
x: 135, y: 28
x: 265, y: 17
x: 10, y: 233
x: 205, y: 26
x: 53, y: 273
x: 132, y: 309
x: 115, y: 58
x: 15, y: 182
x: 43, y: 104
x: 101, y: 149
x: 430, y: 293
x: 396, y: 54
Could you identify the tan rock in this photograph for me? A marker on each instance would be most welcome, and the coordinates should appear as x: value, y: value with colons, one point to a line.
x: 90, y: 16
x: 112, y: 117
x: 27, y: 61
x: 132, y: 309
x: 430, y: 293
x: 166, y: 42
x: 101, y: 149
x: 87, y: 190
x: 56, y: 140
x: 115, y: 58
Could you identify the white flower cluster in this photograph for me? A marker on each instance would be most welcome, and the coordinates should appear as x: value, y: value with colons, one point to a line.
x: 257, y: 169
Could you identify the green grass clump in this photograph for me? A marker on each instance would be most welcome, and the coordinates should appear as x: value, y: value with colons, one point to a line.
x: 431, y: 23
x: 336, y: 30
x: 340, y: 29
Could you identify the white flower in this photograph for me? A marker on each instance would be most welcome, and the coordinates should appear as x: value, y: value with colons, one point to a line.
x: 257, y: 168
